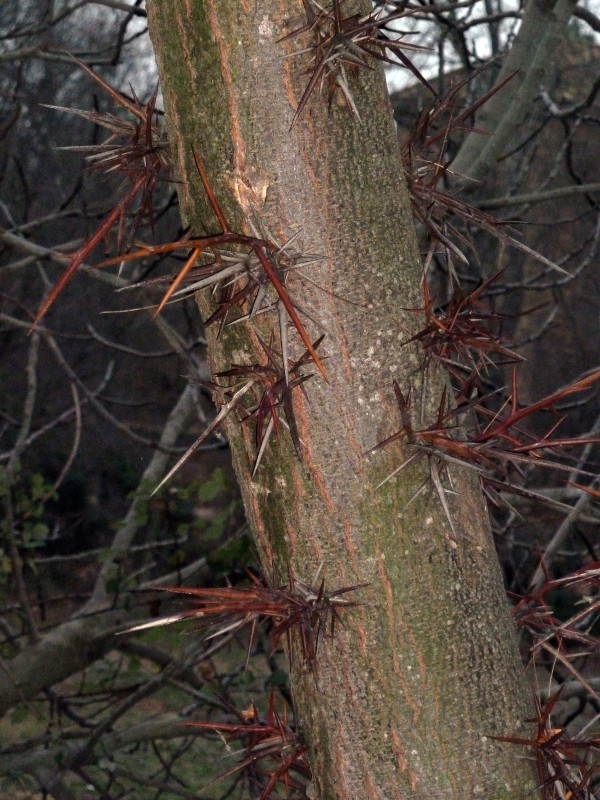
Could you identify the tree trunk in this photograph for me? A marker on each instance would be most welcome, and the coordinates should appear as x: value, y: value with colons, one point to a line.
x: 427, y: 666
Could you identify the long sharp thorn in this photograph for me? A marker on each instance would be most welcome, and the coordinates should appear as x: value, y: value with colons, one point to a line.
x: 284, y: 297
x: 263, y: 445
x: 119, y: 98
x: 395, y: 472
x: 283, y: 335
x: 86, y: 249
x: 196, y: 252
x: 212, y: 427
x: 441, y: 492
x: 209, y: 193
x: 155, y: 623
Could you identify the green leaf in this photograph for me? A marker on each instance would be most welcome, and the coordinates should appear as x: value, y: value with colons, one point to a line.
x: 216, y: 484
x: 134, y: 665
x: 39, y: 532
x: 217, y: 524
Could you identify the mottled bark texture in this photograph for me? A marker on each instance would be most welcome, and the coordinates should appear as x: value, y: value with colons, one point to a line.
x: 427, y: 665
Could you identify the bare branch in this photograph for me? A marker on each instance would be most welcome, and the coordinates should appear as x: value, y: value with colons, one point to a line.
x: 135, y: 11
x: 543, y: 26
x: 537, y: 197
x: 176, y: 423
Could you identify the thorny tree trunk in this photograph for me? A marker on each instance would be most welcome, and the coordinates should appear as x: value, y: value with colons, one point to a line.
x: 427, y: 665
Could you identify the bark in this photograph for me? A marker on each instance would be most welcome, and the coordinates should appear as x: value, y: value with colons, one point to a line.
x: 427, y: 666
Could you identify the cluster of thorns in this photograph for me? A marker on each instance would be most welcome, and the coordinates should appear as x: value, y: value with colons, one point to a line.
x: 299, y: 613
x: 248, y: 275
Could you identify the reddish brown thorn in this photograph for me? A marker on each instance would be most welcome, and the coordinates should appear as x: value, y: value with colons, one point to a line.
x: 134, y: 108
x: 284, y: 297
x: 210, y: 194
x: 196, y: 252
x: 88, y: 247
